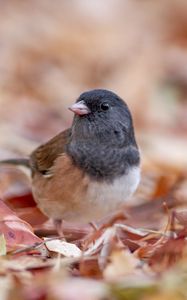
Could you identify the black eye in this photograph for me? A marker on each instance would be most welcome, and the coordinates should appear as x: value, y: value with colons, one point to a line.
x: 104, y: 106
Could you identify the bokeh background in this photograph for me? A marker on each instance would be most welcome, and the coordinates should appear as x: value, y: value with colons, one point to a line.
x: 51, y: 51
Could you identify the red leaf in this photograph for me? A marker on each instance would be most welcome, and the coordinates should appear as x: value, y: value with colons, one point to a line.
x: 21, y: 201
x: 168, y: 254
x: 17, y: 232
x: 32, y: 215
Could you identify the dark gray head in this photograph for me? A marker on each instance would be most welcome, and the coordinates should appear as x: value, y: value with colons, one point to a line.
x: 102, y: 136
x: 103, y: 115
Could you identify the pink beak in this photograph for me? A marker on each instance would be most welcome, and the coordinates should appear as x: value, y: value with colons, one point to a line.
x: 80, y: 108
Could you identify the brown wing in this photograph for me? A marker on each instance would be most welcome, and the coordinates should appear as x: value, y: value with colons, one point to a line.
x: 42, y: 159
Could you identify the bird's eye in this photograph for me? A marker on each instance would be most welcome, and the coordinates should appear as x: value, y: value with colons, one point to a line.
x: 104, y: 106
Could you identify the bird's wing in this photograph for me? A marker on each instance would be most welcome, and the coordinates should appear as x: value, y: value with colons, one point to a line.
x: 42, y: 159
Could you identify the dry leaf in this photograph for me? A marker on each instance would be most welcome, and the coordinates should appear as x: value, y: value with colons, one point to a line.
x: 79, y: 289
x: 17, y: 232
x: 2, y: 245
x: 122, y: 263
x: 181, y: 216
x: 64, y: 248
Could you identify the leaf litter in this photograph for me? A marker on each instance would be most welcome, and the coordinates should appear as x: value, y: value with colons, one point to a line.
x: 142, y: 254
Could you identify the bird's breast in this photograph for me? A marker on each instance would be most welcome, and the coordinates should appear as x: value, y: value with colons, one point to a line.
x: 108, y: 197
x: 103, y: 198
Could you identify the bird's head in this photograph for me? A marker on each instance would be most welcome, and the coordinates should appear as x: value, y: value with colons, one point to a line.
x: 101, y: 114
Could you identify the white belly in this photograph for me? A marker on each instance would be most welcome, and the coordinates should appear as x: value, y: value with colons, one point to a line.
x: 104, y: 198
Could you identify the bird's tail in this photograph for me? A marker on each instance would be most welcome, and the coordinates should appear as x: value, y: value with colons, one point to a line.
x: 16, y: 161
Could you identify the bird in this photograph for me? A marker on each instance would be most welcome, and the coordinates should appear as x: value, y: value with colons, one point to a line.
x: 91, y: 169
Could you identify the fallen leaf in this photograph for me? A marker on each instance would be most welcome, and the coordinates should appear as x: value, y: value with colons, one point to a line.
x: 2, y: 245
x: 181, y: 216
x: 122, y: 263
x: 90, y: 268
x: 64, y: 248
x: 17, y: 232
x: 95, y: 245
x: 168, y: 254
x: 79, y: 289
x: 32, y: 215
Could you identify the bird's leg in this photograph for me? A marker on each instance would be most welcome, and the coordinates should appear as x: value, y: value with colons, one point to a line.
x: 58, y: 223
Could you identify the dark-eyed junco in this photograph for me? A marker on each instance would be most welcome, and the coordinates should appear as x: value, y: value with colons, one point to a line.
x: 90, y: 169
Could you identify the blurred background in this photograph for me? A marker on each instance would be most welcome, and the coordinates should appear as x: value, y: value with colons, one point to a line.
x: 51, y: 51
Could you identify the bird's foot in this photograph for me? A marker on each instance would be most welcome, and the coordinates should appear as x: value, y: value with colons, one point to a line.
x: 59, y: 228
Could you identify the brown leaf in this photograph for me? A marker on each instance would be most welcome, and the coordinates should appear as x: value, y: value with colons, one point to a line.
x: 17, y: 232
x: 181, y: 216
x: 122, y: 263
x: 168, y: 254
